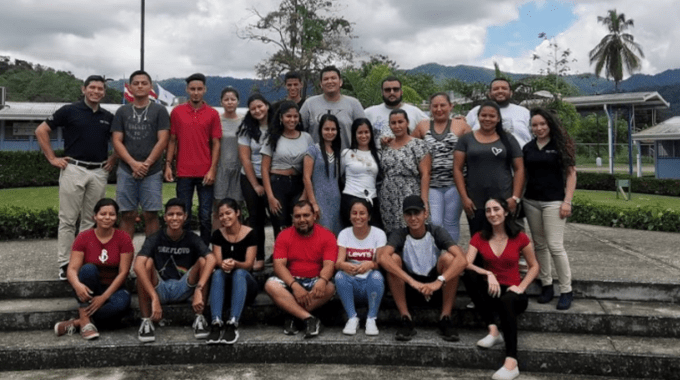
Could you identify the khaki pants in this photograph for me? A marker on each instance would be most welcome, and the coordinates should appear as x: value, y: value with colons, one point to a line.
x: 79, y: 190
x: 547, y: 231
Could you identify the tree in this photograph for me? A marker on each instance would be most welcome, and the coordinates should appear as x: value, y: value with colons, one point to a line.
x: 557, y: 63
x: 308, y: 36
x: 617, y: 49
x: 365, y: 84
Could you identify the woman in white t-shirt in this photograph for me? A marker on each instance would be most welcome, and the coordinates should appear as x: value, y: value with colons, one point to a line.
x: 252, y: 134
x: 358, y: 277
x: 361, y: 168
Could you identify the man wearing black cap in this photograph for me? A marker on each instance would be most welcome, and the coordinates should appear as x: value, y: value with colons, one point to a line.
x: 86, y: 164
x: 195, y: 133
x: 427, y: 259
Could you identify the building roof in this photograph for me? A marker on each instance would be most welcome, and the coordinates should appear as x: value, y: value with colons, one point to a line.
x: 38, y: 111
x: 641, y: 100
x: 668, y: 130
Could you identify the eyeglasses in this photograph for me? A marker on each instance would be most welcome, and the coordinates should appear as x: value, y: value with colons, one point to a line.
x: 392, y: 89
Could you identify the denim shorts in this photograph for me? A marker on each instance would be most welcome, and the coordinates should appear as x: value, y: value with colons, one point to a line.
x: 147, y: 192
x: 306, y: 282
x: 170, y: 291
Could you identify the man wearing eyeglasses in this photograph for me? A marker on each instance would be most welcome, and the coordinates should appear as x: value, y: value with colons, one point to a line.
x: 86, y: 163
x: 379, y: 115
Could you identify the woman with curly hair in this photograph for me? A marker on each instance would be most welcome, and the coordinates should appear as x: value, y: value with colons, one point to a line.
x: 252, y: 135
x: 282, y: 157
x: 551, y: 180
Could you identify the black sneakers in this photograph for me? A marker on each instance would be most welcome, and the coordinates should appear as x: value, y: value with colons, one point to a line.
x: 216, y: 332
x: 447, y: 330
x: 62, y: 272
x: 289, y: 327
x: 146, y: 332
x: 406, y: 330
x: 312, y: 327
x: 230, y: 335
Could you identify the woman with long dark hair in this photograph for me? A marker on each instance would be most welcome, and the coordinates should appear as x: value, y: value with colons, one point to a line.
x: 282, y: 157
x: 495, y: 167
x: 496, y: 286
x: 441, y: 134
x: 322, y: 174
x: 362, y: 172
x: 551, y: 180
x: 235, y: 247
x: 406, y: 162
x: 252, y: 136
x: 100, y: 261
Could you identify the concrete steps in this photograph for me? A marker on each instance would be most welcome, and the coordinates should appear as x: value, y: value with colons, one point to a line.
x: 599, y: 355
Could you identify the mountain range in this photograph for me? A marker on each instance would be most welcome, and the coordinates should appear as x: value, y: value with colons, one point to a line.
x: 666, y: 83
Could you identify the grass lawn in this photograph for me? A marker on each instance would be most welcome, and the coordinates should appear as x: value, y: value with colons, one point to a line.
x: 608, y: 198
x: 48, y: 197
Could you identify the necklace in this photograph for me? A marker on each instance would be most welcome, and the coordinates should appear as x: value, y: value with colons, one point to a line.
x: 234, y: 236
x: 141, y: 115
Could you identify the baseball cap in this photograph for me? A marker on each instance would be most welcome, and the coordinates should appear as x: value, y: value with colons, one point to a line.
x: 413, y: 202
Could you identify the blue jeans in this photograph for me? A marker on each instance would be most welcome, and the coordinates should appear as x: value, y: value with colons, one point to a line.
x: 239, y: 284
x: 185, y: 192
x: 367, y: 290
x: 115, y: 307
x: 445, y: 208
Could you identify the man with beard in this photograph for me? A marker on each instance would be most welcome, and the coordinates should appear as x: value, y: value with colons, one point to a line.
x: 379, y: 115
x: 304, y: 262
x: 516, y: 119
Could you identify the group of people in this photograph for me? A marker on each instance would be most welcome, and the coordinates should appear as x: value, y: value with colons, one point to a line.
x: 354, y: 197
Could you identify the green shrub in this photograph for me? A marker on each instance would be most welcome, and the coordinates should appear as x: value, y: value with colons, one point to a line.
x: 640, y: 218
x: 31, y: 169
x: 644, y: 185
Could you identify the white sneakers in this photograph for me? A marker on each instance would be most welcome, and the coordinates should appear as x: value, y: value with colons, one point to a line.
x: 353, y: 323
x: 505, y: 374
x: 490, y: 341
x: 351, y: 326
x: 371, y: 327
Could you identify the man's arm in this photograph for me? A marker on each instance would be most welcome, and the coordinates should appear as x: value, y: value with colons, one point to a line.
x: 163, y: 137
x: 122, y: 152
x: 209, y: 178
x: 169, y: 156
x: 42, y: 134
x: 385, y: 260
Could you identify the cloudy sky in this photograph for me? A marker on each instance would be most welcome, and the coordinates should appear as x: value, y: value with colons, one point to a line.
x: 185, y: 36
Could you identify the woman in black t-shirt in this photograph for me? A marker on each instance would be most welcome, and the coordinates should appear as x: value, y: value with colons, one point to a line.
x: 551, y: 180
x: 235, y: 248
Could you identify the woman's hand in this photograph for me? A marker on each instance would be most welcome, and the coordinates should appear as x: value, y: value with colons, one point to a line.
x: 365, y: 267
x: 83, y: 292
x: 494, y: 286
x: 259, y: 189
x: 274, y: 205
x: 228, y: 265
x: 515, y: 289
x: 469, y: 207
x: 316, y: 209
x: 95, y: 303
x: 351, y: 269
x: 565, y: 210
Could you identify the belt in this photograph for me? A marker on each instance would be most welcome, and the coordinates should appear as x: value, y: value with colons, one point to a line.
x: 87, y: 165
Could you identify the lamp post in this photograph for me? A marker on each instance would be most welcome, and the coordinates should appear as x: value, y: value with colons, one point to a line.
x: 141, y: 57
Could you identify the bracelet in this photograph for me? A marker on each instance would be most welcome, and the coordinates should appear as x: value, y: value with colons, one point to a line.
x: 291, y: 284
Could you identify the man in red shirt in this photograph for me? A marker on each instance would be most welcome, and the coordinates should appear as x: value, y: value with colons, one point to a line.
x: 304, y: 261
x: 195, y: 133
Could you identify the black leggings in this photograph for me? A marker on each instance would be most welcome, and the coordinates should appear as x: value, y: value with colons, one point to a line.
x: 508, y: 307
x: 287, y: 190
x: 256, y: 212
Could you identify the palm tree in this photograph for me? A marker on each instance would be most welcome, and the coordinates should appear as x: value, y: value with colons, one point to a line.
x: 617, y: 49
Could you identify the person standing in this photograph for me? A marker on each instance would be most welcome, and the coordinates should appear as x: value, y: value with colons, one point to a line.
x: 379, y: 115
x: 293, y: 83
x: 140, y: 135
x: 195, y: 133
x: 85, y: 167
x: 515, y: 118
x: 332, y: 101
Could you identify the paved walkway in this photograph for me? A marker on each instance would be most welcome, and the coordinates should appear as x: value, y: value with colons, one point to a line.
x: 595, y: 253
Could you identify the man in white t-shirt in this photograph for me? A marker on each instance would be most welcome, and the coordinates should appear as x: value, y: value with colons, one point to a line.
x: 379, y: 115
x: 345, y: 108
x: 516, y: 119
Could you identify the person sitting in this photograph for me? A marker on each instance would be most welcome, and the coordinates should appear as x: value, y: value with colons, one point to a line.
x: 498, y: 288
x: 99, y: 264
x: 426, y: 258
x: 358, y: 276
x: 235, y: 249
x: 304, y: 258
x: 172, y: 265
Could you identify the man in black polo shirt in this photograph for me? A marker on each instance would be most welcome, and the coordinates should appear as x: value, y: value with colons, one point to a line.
x: 85, y: 165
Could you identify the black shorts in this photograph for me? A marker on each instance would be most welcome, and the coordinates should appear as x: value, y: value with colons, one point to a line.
x: 416, y: 298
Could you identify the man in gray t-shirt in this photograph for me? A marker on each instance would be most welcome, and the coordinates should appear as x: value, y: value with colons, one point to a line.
x: 141, y: 131
x: 427, y: 259
x: 345, y: 108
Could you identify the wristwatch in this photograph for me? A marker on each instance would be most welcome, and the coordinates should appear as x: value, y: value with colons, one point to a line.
x: 517, y: 199
x: 442, y: 279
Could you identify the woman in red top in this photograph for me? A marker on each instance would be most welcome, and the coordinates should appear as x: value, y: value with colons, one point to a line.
x: 498, y: 287
x: 100, y: 262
